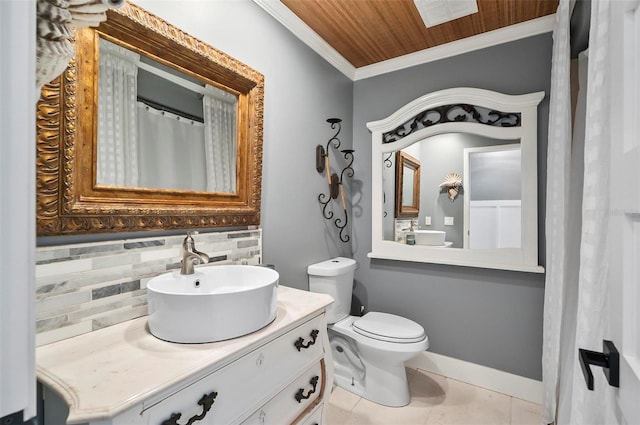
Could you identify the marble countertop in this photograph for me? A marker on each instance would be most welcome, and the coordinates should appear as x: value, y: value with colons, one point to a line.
x: 103, y: 373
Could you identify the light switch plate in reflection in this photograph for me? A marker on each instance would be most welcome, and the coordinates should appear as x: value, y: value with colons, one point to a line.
x: 448, y: 221
x: 427, y: 221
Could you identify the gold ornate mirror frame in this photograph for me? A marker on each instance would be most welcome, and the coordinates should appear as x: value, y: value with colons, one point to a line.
x: 68, y: 199
x: 405, y: 163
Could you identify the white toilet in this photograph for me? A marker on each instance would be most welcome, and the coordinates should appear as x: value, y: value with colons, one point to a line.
x: 369, y: 351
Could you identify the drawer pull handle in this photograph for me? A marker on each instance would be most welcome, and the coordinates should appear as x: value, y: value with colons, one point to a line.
x: 299, y: 344
x: 300, y: 394
x: 206, y: 402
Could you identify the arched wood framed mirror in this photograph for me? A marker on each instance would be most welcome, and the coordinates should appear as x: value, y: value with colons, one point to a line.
x: 489, y: 140
x: 75, y: 195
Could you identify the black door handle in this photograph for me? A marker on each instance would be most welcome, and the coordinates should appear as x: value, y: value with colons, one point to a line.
x: 609, y: 360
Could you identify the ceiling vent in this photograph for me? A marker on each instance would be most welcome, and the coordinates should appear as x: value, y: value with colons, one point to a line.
x: 436, y: 12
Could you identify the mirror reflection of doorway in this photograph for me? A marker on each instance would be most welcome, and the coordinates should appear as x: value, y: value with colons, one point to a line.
x: 493, y: 201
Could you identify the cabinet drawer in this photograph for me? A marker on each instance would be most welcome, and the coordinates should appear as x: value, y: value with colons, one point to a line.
x: 295, y: 401
x: 315, y: 418
x: 238, y: 388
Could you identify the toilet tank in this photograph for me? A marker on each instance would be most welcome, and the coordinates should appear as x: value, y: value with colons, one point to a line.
x: 334, y: 277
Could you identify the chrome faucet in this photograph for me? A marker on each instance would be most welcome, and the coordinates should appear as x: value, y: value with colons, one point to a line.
x: 190, y: 254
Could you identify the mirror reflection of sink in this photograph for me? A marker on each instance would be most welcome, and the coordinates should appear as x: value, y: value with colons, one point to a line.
x: 213, y: 304
x: 430, y: 237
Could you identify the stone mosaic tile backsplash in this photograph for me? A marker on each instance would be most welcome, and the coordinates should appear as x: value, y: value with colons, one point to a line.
x: 84, y: 287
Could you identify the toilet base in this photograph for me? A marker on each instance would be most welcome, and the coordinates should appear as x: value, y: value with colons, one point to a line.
x: 349, y: 384
x: 387, y: 386
x: 377, y: 377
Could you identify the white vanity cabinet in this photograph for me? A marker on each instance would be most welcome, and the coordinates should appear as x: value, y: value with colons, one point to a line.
x: 278, y: 370
x: 281, y: 374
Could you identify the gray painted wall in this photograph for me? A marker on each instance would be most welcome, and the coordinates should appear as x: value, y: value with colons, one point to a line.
x: 488, y: 317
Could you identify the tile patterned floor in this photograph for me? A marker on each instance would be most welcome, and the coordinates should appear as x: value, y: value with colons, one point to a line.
x: 435, y: 400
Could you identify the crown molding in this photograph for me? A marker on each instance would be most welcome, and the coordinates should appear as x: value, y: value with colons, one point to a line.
x: 293, y: 23
x: 465, y: 45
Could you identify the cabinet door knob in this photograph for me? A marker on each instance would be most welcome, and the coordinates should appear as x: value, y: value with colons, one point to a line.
x: 300, y: 394
x: 206, y: 402
x: 299, y: 344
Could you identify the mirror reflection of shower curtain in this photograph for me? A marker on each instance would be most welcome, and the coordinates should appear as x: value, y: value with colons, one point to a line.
x: 140, y: 146
x: 171, y: 151
x: 117, y: 135
x: 220, y: 139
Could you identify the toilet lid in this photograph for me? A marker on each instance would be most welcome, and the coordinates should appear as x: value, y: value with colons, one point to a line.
x: 388, y: 327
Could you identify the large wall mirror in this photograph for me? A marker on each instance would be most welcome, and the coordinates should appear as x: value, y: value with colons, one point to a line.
x: 148, y: 128
x: 477, y: 207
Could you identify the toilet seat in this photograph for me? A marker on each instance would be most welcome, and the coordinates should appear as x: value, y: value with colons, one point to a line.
x: 388, y: 327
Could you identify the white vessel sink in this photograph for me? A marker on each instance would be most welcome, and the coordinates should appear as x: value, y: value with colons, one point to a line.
x: 213, y: 304
x: 429, y: 237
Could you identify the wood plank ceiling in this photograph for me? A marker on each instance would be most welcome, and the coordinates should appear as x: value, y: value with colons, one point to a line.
x: 366, y: 32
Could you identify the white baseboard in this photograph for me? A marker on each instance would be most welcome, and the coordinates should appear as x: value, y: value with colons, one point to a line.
x: 481, y: 376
